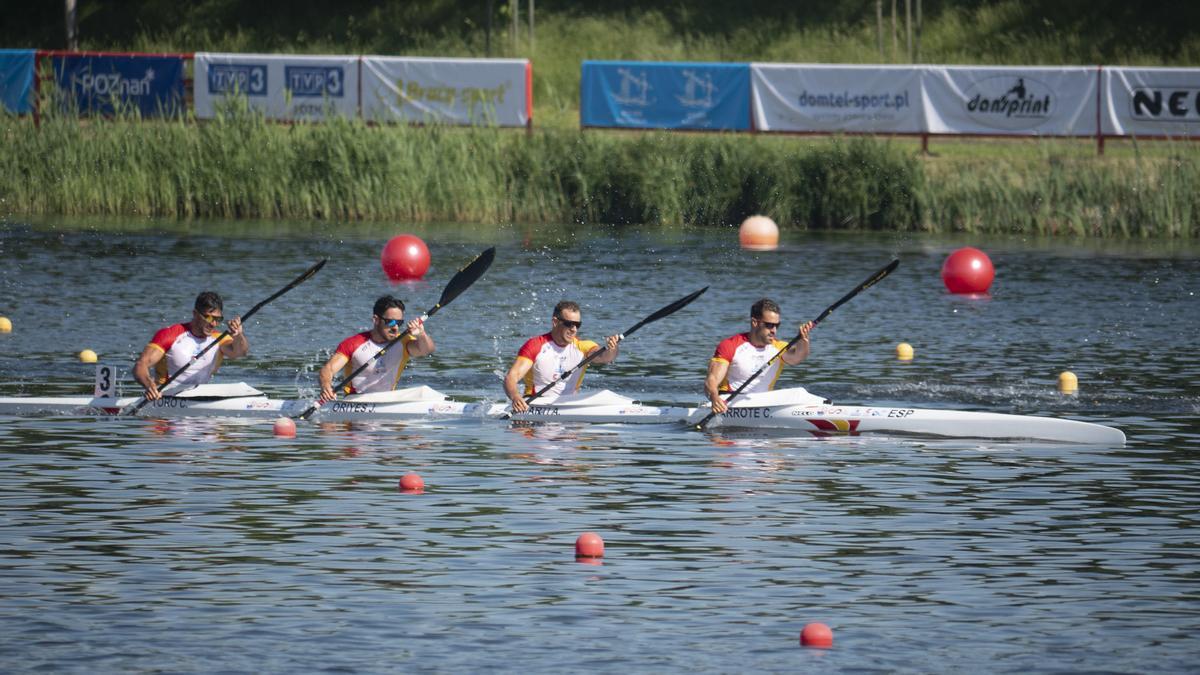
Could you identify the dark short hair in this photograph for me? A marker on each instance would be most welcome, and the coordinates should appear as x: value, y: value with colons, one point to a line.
x: 386, y: 302
x: 566, y: 304
x: 207, y: 302
x: 763, y: 305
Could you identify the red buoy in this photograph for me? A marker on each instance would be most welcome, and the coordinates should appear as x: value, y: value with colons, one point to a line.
x: 405, y: 257
x: 816, y: 635
x: 411, y: 483
x: 968, y: 270
x: 589, y: 545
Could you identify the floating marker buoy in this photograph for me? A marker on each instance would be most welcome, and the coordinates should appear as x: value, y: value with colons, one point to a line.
x: 904, y: 351
x: 968, y: 270
x: 5, y: 325
x: 816, y: 635
x: 286, y: 427
x: 87, y: 356
x: 411, y: 483
x: 405, y: 257
x: 758, y: 233
x: 1067, y: 382
x: 589, y: 545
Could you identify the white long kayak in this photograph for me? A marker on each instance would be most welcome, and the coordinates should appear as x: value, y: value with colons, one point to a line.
x: 241, y: 400
x: 786, y: 409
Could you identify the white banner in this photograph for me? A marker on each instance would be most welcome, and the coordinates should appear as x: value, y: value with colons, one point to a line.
x: 807, y: 97
x: 1010, y: 100
x: 281, y: 87
x: 448, y: 91
x: 1151, y: 102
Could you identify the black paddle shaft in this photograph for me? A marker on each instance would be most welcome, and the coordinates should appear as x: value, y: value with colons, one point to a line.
x: 295, y: 282
x: 664, y: 312
x: 460, y: 282
x: 871, y: 281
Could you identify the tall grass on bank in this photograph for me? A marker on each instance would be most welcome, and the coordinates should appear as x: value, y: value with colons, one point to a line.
x: 240, y: 166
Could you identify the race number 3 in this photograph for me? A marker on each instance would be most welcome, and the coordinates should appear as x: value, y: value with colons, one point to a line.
x: 106, y: 382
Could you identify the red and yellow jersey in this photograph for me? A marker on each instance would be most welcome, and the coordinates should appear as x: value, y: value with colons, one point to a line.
x: 745, y: 359
x: 384, y: 372
x: 550, y: 361
x: 178, y: 345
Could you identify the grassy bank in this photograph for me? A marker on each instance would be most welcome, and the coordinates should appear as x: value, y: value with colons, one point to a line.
x: 243, y: 167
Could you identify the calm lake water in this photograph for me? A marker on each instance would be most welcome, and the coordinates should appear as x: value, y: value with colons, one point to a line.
x: 143, y: 545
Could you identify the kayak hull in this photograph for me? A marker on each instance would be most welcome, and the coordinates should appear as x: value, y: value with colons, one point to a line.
x: 789, y: 409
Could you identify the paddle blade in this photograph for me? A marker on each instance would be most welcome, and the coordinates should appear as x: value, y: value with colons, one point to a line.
x: 668, y: 310
x: 464, y: 278
x: 308, y: 274
x: 871, y: 281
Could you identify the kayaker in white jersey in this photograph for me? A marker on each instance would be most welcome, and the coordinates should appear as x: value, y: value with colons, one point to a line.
x: 740, y: 356
x: 180, y: 342
x: 387, y: 323
x: 544, y: 358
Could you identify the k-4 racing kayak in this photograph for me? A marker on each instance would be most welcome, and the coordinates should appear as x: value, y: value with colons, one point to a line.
x: 785, y: 409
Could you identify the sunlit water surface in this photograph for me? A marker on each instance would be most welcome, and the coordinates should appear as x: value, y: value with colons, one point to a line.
x: 212, y: 545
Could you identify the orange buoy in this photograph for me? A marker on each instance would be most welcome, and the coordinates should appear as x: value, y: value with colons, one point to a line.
x: 286, y: 427
x: 589, y: 545
x: 411, y: 483
x: 816, y: 635
x: 758, y: 233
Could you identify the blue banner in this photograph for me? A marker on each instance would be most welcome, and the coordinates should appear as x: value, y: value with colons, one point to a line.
x: 102, y: 84
x: 648, y: 95
x: 16, y: 80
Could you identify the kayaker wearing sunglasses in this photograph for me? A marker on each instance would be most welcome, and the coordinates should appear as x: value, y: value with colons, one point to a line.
x: 740, y: 356
x: 543, y: 359
x: 181, y: 341
x: 387, y: 323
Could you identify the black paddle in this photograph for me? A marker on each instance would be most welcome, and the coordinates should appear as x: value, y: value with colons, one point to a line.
x: 460, y: 282
x: 871, y: 281
x: 665, y: 311
x: 295, y: 282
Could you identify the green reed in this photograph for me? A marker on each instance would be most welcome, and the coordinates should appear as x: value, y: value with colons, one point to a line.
x: 241, y: 166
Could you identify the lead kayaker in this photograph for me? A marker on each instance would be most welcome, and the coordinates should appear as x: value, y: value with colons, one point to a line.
x: 740, y: 356
x: 180, y: 342
x: 544, y: 358
x: 387, y: 323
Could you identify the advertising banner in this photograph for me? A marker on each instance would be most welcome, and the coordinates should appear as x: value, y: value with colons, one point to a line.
x: 16, y: 80
x: 102, y: 84
x: 281, y: 87
x: 831, y: 98
x: 468, y: 92
x: 1010, y: 100
x: 1151, y: 102
x: 648, y: 95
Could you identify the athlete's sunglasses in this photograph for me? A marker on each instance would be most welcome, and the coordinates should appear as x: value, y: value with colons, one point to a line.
x: 570, y: 324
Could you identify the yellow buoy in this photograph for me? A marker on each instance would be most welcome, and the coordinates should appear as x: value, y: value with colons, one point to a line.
x: 1067, y: 382
x: 5, y: 325
x: 87, y: 356
x: 904, y: 351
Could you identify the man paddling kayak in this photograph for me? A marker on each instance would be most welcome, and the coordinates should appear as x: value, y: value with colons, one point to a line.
x: 543, y: 359
x: 181, y: 342
x: 387, y: 323
x: 740, y: 356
